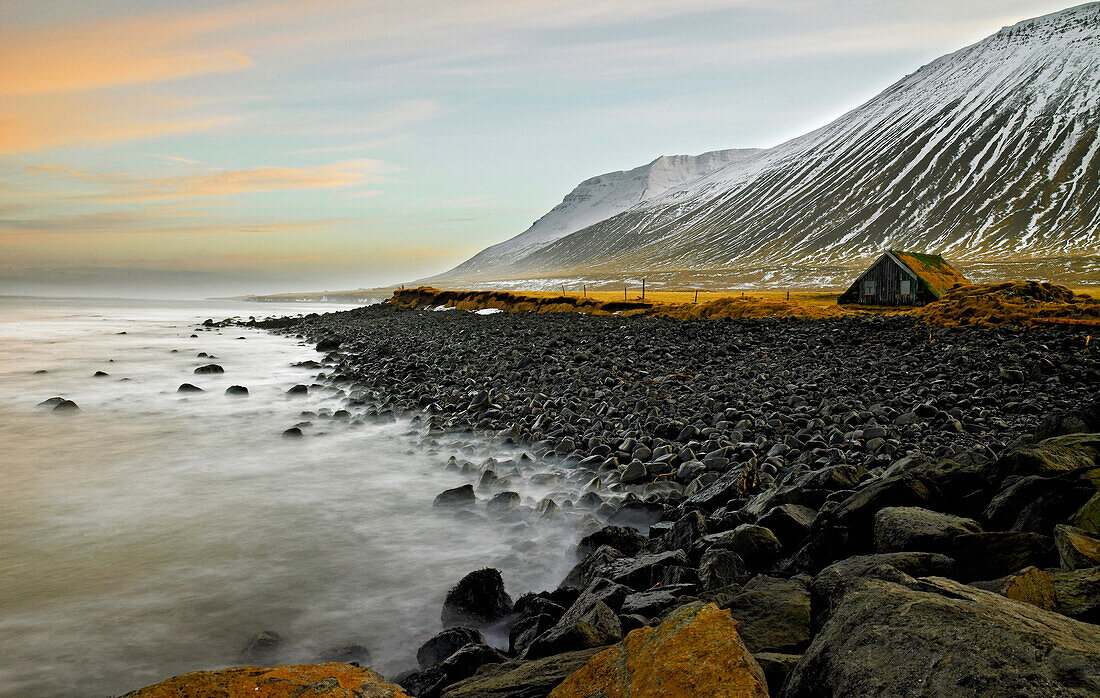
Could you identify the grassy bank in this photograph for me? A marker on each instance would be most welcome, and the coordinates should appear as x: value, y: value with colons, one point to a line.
x: 983, y: 305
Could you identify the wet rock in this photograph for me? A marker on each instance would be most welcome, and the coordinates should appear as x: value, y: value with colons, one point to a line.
x: 328, y: 344
x: 575, y: 629
x: 209, y: 369
x: 647, y: 569
x: 51, y: 403
x: 898, y: 529
x: 66, y: 406
x: 773, y: 613
x: 445, y: 644
x: 521, y: 679
x: 528, y: 629
x: 1036, y: 504
x: 462, y: 664
x: 593, y: 566
x: 622, y: 538
x: 457, y: 496
x: 188, y: 388
x: 1087, y: 517
x: 696, y: 651
x: 1030, y: 585
x: 883, y: 636
x: 100, y: 374
x: 298, y: 390
x: 503, y: 502
x: 262, y: 647
x: 236, y: 390
x: 1076, y: 548
x: 293, y: 433
x: 720, y: 568
x: 478, y: 598
x: 337, y: 680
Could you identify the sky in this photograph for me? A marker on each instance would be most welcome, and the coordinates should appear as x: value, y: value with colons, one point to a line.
x: 196, y: 148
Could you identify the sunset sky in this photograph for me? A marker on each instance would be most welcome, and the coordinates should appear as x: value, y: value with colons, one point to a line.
x: 214, y: 147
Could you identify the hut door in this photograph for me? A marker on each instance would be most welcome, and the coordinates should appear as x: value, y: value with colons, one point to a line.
x: 906, y: 287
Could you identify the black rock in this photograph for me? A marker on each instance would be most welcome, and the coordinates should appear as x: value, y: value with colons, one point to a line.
x: 446, y: 643
x: 293, y: 433
x: 298, y: 390
x: 236, y: 390
x: 262, y: 648
x: 209, y: 368
x: 188, y: 388
x: 458, y: 496
x: 625, y: 539
x: 100, y: 374
x: 477, y: 599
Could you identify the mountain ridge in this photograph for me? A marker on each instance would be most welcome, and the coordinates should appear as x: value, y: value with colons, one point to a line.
x: 988, y: 155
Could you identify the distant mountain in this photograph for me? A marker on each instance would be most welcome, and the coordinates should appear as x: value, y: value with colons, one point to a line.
x: 600, y: 198
x: 989, y: 156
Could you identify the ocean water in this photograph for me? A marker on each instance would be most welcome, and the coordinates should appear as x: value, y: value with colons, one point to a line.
x: 153, y: 532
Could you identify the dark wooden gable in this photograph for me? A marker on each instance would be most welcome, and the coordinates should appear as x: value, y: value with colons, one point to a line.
x: 887, y: 282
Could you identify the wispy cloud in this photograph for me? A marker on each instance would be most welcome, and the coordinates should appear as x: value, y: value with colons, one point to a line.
x: 122, y: 187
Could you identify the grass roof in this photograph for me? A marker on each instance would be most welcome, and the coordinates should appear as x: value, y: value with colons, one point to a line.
x: 937, y: 274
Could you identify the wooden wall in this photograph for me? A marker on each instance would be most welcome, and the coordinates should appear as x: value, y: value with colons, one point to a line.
x: 887, y: 276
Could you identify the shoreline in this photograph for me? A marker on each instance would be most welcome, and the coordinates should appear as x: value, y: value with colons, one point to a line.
x: 794, y: 434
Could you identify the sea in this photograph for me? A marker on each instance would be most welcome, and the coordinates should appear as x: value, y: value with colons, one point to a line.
x: 152, y: 532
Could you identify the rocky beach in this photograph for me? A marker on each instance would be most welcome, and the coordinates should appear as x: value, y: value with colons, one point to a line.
x: 847, y: 506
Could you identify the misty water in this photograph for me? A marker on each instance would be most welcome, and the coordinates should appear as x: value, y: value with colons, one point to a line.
x: 153, y: 532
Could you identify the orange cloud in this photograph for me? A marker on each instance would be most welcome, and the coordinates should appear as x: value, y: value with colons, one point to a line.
x: 43, y: 121
x: 124, y: 187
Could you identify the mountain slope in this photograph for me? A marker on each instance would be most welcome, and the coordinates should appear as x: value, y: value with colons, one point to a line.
x: 988, y: 155
x: 599, y: 198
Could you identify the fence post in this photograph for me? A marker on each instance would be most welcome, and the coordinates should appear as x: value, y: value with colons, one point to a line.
x: 563, y: 289
x: 697, y: 296
x: 643, y: 288
x: 788, y: 295
x: 624, y: 293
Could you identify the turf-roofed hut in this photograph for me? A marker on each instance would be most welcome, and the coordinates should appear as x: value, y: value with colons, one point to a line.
x: 903, y: 278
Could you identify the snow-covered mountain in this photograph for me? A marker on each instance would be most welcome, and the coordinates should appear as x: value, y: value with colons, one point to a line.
x: 988, y: 155
x: 599, y: 198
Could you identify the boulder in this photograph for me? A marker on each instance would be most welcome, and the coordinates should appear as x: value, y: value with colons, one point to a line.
x: 756, y: 545
x: 503, y: 502
x: 937, y: 637
x: 526, y: 630
x: 1085, y: 418
x: 831, y: 583
x: 622, y: 538
x: 594, y: 565
x: 898, y: 529
x: 328, y: 344
x: 789, y: 522
x: 333, y: 680
x: 458, y: 496
x: 1076, y: 548
x: 292, y: 433
x: 209, y: 369
x: 236, y: 390
x: 579, y: 627
x: 1035, y: 503
x: 445, y: 644
x: 720, y: 568
x: 66, y: 406
x: 647, y: 569
x: 688, y: 528
x: 478, y: 598
x: 696, y: 651
x: 521, y: 679
x: 654, y: 602
x: 995, y: 554
x: 298, y: 390
x: 188, y: 388
x: 1053, y: 456
x: 1077, y: 593
x: 1030, y: 585
x: 773, y: 614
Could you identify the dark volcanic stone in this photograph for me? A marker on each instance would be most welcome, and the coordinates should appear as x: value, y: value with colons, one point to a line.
x: 188, y: 388
x: 478, y: 598
x: 209, y: 369
x: 458, y: 496
x: 236, y: 390
x: 445, y: 644
x: 622, y: 538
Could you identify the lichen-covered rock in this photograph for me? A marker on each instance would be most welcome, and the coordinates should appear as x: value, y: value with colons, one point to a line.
x: 331, y: 680
x: 696, y: 651
x: 1053, y: 456
x: 1078, y: 594
x: 937, y: 637
x: 1030, y: 585
x: 1087, y: 517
